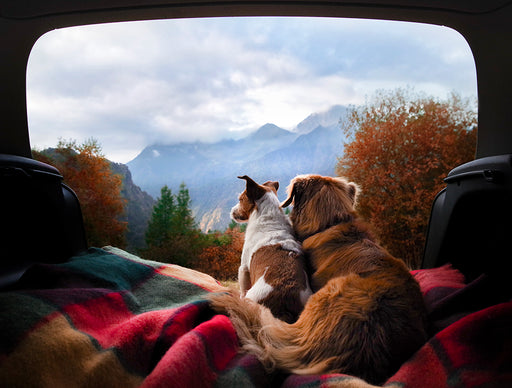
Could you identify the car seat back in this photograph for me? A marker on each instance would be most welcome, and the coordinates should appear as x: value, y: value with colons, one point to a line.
x: 471, y: 219
x: 41, y: 217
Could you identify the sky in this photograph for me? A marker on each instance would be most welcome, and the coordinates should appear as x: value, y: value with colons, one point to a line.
x: 131, y: 85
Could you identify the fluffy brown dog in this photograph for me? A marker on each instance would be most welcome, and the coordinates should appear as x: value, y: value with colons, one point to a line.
x: 367, y: 316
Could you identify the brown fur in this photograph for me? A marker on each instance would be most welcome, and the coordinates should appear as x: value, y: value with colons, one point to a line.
x: 319, y: 203
x: 284, y: 271
x: 247, y: 200
x: 276, y: 274
x: 367, y: 316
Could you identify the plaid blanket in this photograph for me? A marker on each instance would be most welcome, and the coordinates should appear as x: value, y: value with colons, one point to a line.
x: 109, y: 319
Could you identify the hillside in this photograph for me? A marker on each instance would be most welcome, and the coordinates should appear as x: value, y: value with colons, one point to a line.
x: 210, y: 170
x: 139, y: 206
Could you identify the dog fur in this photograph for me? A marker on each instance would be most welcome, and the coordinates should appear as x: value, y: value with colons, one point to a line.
x: 272, y: 264
x: 367, y: 316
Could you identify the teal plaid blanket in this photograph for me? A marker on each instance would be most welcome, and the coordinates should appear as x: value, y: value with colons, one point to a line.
x: 110, y: 319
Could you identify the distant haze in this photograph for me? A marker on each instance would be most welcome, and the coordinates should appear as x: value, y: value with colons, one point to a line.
x: 210, y: 170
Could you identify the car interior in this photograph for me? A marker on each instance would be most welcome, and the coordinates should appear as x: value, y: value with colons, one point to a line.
x: 470, y: 223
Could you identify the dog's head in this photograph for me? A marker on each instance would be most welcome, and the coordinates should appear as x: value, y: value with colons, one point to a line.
x: 247, y: 201
x: 319, y: 202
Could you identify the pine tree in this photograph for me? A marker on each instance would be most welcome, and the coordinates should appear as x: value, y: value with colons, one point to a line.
x: 183, y: 219
x: 161, y: 224
x: 172, y: 236
x: 241, y: 227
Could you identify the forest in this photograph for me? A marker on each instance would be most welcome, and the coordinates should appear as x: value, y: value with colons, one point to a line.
x: 401, y: 144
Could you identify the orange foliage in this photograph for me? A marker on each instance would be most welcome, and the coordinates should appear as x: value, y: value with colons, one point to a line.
x: 222, y: 258
x: 401, y: 150
x: 88, y: 173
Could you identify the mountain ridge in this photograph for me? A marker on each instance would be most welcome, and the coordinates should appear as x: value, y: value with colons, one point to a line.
x: 210, y: 170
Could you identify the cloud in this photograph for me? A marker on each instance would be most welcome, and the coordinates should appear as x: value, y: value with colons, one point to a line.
x: 133, y: 84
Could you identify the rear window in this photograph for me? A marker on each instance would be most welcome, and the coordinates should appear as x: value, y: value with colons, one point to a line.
x: 188, y: 105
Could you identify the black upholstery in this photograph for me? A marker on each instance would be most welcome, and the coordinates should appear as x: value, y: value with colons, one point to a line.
x: 471, y: 219
x: 41, y: 217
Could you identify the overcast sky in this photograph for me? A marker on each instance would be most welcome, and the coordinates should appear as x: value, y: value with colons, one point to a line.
x: 130, y: 85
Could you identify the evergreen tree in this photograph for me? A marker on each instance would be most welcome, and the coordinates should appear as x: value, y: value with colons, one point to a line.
x: 161, y: 224
x: 183, y: 215
x: 235, y: 225
x: 171, y: 236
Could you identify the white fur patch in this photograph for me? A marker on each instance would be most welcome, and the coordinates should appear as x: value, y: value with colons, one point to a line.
x: 259, y: 290
x: 268, y: 226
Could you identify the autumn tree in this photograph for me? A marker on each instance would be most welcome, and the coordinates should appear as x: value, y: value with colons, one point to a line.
x: 88, y: 173
x: 400, y: 147
x: 220, y: 258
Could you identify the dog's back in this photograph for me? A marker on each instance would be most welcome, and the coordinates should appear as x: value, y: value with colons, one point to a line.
x: 272, y: 265
x: 384, y: 318
x: 367, y: 315
x: 279, y: 281
x: 346, y: 248
x: 358, y: 277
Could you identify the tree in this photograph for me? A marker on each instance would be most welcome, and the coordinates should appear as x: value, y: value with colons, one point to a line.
x: 171, y: 216
x: 183, y: 216
x: 160, y: 225
x: 220, y: 258
x: 88, y: 173
x: 172, y: 235
x: 242, y: 227
x: 401, y: 146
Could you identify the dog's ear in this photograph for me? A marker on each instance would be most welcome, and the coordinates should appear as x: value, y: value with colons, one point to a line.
x: 353, y: 191
x: 272, y: 184
x: 254, y: 190
x: 287, y: 202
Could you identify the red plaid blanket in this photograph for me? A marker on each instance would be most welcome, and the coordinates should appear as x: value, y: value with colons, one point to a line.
x: 108, y: 319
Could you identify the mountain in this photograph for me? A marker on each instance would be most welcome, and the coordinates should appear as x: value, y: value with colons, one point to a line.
x: 269, y: 132
x: 139, y: 206
x: 210, y: 170
x: 197, y: 163
x: 327, y: 118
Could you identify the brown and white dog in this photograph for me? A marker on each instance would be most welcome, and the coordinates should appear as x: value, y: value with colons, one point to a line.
x: 367, y: 316
x: 272, y: 264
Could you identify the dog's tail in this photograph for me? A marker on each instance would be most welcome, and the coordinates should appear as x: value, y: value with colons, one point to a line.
x: 353, y: 325
x: 275, y: 343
